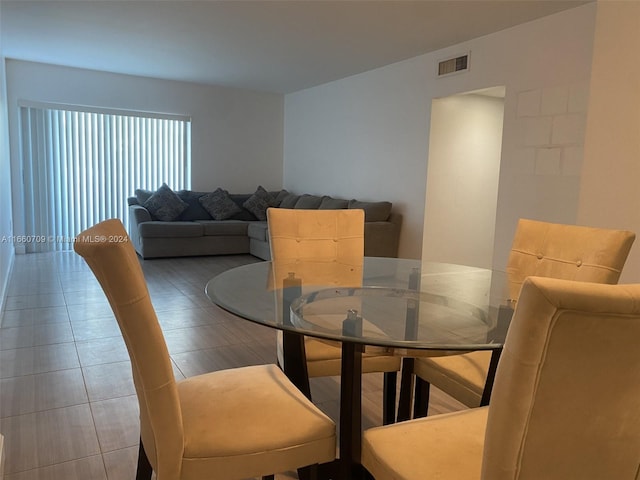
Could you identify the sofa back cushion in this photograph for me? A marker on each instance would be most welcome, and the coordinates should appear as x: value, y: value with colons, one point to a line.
x: 195, y: 210
x: 289, y: 200
x: 329, y: 203
x: 308, y: 202
x: 373, y: 211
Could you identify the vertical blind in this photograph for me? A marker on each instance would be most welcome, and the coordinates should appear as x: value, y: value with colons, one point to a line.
x: 79, y: 167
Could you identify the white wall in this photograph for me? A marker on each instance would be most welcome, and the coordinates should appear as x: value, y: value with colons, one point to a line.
x: 236, y: 134
x: 6, y: 231
x: 462, y: 179
x: 366, y: 136
x: 610, y: 188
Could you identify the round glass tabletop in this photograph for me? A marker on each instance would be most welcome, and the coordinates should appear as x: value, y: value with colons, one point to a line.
x: 397, y: 303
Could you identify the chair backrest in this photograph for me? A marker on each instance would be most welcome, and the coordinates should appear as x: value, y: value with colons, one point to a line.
x: 568, y: 252
x: 566, y: 398
x: 330, y: 242
x: 108, y: 251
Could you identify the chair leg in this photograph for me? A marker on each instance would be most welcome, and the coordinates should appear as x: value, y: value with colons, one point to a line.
x: 389, y: 398
x: 421, y: 400
x: 144, y: 469
x: 308, y: 473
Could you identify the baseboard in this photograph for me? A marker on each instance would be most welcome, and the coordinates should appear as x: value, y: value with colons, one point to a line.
x: 1, y: 457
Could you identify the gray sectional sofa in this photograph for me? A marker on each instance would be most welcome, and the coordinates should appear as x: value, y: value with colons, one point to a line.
x: 220, y: 223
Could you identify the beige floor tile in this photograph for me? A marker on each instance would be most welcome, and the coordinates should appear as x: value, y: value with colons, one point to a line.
x: 213, y: 359
x: 34, y: 301
x: 34, y: 316
x: 47, y: 438
x: 109, y: 380
x: 102, y: 350
x: 40, y: 359
x: 173, y: 302
x: 89, y: 311
x: 121, y: 464
x: 89, y: 468
x: 34, y: 335
x: 44, y: 391
x: 187, y: 317
x: 85, y: 330
x: 117, y: 422
x: 198, y: 338
x: 265, y: 350
x: 38, y: 287
x: 79, y: 297
x: 249, y: 332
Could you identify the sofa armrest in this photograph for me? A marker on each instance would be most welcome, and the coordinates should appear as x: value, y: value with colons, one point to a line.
x: 382, y: 239
x: 138, y: 214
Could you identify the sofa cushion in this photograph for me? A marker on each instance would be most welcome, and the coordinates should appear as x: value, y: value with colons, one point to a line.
x: 373, y: 211
x: 156, y: 229
x: 289, y: 201
x: 309, y: 202
x: 195, y: 210
x: 223, y: 227
x: 165, y: 205
x: 258, y: 231
x: 259, y: 202
x: 219, y: 205
x: 329, y: 203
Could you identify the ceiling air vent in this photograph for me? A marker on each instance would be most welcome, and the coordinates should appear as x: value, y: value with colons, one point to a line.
x: 453, y: 65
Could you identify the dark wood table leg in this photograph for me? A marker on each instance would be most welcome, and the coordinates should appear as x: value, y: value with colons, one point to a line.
x: 295, y: 361
x: 410, y: 333
x: 491, y: 374
x: 351, y: 401
x: 406, y: 389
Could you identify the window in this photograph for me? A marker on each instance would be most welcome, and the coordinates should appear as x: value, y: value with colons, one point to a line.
x: 79, y: 167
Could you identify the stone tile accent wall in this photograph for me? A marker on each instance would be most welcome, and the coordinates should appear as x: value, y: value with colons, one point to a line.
x: 551, y: 124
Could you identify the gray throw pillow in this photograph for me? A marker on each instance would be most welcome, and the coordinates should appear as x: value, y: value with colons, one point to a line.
x: 257, y: 206
x: 259, y: 202
x: 373, y: 211
x: 165, y: 205
x: 219, y: 204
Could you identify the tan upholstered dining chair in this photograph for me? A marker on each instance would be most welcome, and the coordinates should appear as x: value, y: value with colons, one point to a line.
x: 544, y: 249
x: 565, y: 405
x: 327, y: 239
x: 230, y: 424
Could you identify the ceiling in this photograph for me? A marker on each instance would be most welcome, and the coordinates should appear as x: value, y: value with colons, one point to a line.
x: 276, y: 46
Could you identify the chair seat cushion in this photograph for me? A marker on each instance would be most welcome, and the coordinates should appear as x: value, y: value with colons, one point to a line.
x: 233, y: 424
x: 446, y: 447
x: 461, y: 376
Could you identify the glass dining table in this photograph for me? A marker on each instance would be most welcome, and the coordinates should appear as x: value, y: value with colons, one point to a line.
x: 384, y: 305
